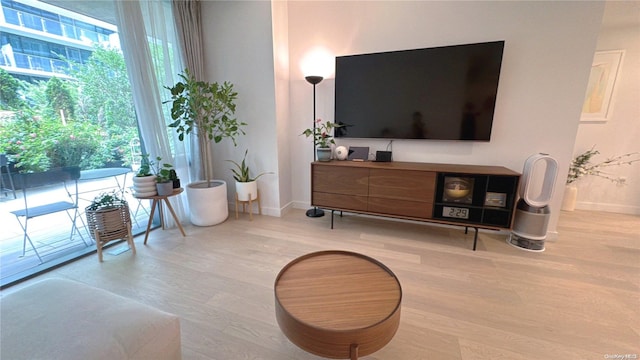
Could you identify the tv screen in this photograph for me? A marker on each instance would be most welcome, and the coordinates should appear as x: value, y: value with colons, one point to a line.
x: 443, y: 93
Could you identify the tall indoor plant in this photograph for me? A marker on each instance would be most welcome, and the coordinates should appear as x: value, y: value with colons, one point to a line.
x: 205, y: 110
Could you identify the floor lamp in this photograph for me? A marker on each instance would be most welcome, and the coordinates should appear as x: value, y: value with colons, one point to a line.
x: 314, y: 80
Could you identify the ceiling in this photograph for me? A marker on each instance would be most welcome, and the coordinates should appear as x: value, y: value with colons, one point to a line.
x: 98, y: 9
x: 617, y: 13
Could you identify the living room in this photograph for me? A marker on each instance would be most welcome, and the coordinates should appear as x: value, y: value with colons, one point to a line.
x: 458, y: 304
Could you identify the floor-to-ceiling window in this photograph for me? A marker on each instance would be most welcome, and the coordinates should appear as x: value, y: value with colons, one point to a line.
x: 66, y: 101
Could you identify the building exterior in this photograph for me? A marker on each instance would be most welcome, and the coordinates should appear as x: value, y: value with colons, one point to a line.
x: 35, y: 37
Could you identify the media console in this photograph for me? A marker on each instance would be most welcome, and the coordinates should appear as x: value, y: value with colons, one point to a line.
x: 465, y: 195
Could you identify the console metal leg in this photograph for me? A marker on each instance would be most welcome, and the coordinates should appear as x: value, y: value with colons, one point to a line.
x: 475, y: 239
x: 332, y: 211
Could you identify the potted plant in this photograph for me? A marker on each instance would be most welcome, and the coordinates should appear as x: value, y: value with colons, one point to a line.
x: 205, y: 110
x: 164, y: 182
x: 144, y: 183
x: 246, y: 185
x: 108, y: 219
x: 582, y: 166
x: 322, y: 138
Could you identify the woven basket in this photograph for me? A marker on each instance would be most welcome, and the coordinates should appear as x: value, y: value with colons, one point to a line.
x: 111, y: 223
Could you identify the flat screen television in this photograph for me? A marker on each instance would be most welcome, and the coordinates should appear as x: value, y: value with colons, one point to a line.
x: 443, y: 93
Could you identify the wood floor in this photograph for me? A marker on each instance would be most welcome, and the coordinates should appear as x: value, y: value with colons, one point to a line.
x: 579, y: 299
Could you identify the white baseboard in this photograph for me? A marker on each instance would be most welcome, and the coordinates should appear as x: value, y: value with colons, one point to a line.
x: 613, y: 208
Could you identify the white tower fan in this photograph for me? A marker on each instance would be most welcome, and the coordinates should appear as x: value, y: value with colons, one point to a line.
x: 532, y: 211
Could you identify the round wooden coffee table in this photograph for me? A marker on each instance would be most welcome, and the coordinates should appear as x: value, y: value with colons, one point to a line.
x: 338, y: 304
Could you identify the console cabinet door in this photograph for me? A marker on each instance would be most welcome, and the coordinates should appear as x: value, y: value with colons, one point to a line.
x: 340, y: 187
x: 402, y: 192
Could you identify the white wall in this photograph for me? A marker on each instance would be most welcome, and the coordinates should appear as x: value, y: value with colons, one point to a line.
x: 239, y: 48
x: 548, y: 52
x: 619, y: 135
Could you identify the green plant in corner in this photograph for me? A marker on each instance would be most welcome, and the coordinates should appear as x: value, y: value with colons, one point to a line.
x: 206, y: 110
x: 241, y: 173
x: 582, y: 166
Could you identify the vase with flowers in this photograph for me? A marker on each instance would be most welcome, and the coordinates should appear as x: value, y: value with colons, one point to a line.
x: 322, y: 138
x: 582, y: 166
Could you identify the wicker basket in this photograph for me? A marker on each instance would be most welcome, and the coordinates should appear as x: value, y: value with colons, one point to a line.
x: 108, y: 224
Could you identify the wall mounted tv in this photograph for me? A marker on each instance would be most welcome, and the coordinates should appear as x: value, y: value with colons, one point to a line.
x: 443, y: 93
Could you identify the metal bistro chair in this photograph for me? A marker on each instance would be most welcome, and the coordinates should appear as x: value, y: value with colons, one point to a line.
x: 29, y: 181
x: 4, y: 167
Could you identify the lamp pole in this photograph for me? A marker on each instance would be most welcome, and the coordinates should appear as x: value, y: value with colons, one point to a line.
x: 314, y: 80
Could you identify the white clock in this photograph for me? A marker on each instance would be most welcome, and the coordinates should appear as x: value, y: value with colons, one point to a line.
x: 342, y: 153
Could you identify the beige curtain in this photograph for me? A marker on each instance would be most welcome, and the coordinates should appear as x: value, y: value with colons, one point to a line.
x: 188, y: 22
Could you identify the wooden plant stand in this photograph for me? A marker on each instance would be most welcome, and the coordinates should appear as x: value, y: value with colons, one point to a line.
x: 109, y: 224
x: 250, y: 202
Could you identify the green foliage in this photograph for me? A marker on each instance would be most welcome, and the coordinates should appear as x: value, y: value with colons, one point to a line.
x: 59, y: 98
x: 37, y: 144
x: 145, y: 166
x: 321, y: 133
x: 163, y: 172
x: 205, y: 109
x: 242, y: 173
x: 9, y: 92
x: 582, y: 166
x: 106, y: 201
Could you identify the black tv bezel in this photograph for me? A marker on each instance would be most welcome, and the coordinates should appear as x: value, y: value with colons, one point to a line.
x: 490, y: 128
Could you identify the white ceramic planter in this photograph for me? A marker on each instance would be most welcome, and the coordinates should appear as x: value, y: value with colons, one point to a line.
x: 244, y: 189
x: 207, y: 205
x: 569, y: 199
x: 144, y: 185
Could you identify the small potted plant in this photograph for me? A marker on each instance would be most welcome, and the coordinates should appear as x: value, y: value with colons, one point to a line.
x: 108, y: 219
x: 322, y: 138
x: 164, y: 181
x: 246, y: 185
x: 144, y: 183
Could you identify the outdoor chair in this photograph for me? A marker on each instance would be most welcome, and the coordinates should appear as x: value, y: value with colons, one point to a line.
x: 6, y: 186
x: 67, y: 200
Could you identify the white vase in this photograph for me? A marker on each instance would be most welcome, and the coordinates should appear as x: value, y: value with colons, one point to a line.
x: 246, y: 189
x: 569, y: 199
x: 144, y: 185
x: 207, y: 205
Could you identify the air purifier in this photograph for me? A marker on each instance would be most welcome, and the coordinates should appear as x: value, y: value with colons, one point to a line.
x: 532, y: 210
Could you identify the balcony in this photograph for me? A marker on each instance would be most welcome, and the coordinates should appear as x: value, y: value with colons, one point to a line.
x: 51, y: 233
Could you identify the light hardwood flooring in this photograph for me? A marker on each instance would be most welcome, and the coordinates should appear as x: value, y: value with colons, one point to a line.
x: 579, y: 299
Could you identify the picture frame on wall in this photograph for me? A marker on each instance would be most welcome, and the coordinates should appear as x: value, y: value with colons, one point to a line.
x: 604, y: 76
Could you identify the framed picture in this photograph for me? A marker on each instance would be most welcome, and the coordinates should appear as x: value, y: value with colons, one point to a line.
x: 598, y: 104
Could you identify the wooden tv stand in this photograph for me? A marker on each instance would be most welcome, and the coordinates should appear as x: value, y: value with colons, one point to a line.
x: 418, y: 191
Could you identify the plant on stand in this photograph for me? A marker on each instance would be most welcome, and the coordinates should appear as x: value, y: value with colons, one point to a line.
x: 582, y: 166
x: 205, y: 110
x: 164, y: 181
x: 144, y: 183
x: 108, y: 219
x: 246, y: 185
x: 322, y: 138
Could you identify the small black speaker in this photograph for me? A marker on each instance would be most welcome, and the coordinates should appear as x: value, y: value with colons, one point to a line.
x: 383, y: 156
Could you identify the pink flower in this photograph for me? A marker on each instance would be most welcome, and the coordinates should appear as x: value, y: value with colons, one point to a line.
x: 18, y: 142
x: 33, y: 135
x: 72, y: 137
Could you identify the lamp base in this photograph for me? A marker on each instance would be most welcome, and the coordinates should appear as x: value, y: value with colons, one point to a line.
x: 315, y: 212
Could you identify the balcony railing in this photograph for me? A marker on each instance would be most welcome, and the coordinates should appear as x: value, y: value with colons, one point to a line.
x: 50, y: 26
